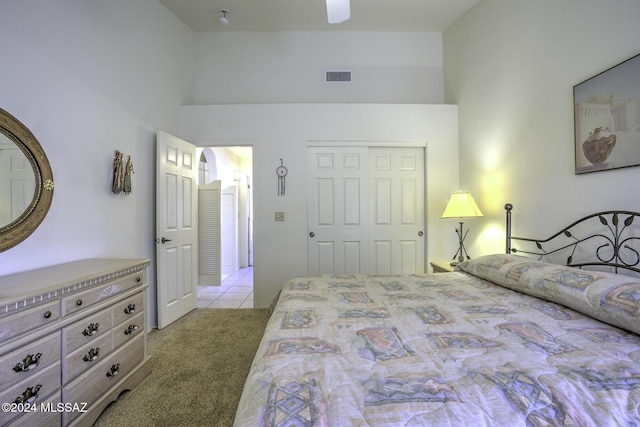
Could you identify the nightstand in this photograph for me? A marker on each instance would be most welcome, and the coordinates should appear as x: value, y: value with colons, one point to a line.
x: 442, y: 266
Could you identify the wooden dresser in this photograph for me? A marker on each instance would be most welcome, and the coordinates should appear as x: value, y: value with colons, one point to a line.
x: 72, y: 338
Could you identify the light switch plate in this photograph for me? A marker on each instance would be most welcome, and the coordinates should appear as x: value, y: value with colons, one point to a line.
x: 279, y: 216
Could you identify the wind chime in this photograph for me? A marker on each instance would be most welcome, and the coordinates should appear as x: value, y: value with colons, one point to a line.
x: 281, y: 171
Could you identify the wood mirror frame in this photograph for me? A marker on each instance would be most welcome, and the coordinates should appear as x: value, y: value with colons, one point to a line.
x: 20, y: 228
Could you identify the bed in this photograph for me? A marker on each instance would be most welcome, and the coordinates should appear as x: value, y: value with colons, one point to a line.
x: 505, y: 340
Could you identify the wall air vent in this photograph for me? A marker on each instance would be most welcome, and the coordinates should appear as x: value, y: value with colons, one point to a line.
x: 337, y: 76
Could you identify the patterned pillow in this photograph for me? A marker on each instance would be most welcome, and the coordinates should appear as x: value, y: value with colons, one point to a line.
x: 611, y: 298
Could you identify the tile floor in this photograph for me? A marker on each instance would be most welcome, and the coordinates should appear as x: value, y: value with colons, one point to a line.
x: 236, y: 291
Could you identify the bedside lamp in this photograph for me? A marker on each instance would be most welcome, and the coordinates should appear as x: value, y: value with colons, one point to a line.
x: 461, y: 205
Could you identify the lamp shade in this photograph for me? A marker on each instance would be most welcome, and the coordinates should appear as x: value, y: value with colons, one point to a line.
x: 461, y: 205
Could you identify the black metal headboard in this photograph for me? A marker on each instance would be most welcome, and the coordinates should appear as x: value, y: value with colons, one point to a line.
x: 610, y: 238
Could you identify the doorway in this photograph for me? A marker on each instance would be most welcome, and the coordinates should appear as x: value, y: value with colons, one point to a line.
x: 232, y: 167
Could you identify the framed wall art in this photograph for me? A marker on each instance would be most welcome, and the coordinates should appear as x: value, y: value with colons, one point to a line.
x: 607, y: 119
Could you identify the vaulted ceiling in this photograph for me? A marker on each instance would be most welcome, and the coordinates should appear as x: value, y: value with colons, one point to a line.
x: 311, y: 15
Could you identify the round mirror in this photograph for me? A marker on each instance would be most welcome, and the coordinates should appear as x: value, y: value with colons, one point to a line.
x: 26, y: 182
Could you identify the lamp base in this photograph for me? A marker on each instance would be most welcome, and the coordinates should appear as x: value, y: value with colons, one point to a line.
x: 462, y: 251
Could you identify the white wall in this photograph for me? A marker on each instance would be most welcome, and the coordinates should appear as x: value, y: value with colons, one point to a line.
x: 227, y: 163
x: 250, y: 72
x: 90, y: 77
x: 276, y: 67
x: 284, y: 130
x: 511, y: 67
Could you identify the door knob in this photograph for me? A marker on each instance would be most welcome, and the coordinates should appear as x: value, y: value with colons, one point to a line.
x: 312, y: 234
x: 420, y: 233
x: 163, y: 240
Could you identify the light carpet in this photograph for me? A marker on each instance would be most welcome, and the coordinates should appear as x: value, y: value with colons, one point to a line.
x: 199, y: 366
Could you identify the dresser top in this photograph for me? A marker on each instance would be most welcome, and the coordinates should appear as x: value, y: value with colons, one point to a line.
x: 45, y: 283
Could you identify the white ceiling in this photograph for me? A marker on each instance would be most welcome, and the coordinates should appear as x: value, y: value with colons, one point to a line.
x: 311, y: 15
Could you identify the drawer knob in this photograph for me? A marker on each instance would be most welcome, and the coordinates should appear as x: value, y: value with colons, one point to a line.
x: 138, y: 279
x: 131, y: 329
x: 29, y: 395
x: 114, y: 370
x: 92, y: 329
x: 79, y: 301
x: 47, y: 314
x: 28, y: 363
x: 131, y: 308
x: 91, y: 355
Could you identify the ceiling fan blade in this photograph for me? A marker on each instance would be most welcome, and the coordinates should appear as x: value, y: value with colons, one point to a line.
x: 338, y: 11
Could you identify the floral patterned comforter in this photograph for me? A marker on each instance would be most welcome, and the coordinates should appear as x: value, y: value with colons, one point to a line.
x: 447, y: 349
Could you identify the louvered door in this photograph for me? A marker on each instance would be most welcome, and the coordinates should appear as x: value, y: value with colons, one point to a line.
x: 209, y: 234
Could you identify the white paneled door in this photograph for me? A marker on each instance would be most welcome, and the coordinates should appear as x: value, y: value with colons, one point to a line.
x: 17, y: 184
x: 229, y: 230
x: 366, y: 210
x: 337, y: 210
x: 396, y: 211
x: 176, y: 228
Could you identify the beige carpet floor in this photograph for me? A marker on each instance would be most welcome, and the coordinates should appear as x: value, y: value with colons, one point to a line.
x: 199, y: 365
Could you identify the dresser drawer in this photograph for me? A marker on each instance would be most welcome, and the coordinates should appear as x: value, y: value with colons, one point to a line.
x: 127, y: 330
x: 128, y: 308
x: 83, y: 299
x: 86, y: 330
x: 20, y: 323
x: 90, y: 386
x: 49, y: 418
x: 86, y: 357
x: 28, y: 360
x: 32, y: 390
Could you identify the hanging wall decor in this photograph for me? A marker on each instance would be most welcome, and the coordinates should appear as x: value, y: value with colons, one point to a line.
x: 121, y: 174
x: 607, y: 119
x: 118, y: 173
x: 281, y: 171
x: 128, y: 170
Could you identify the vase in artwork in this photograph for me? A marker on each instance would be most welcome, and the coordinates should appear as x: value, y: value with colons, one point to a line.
x: 598, y: 145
